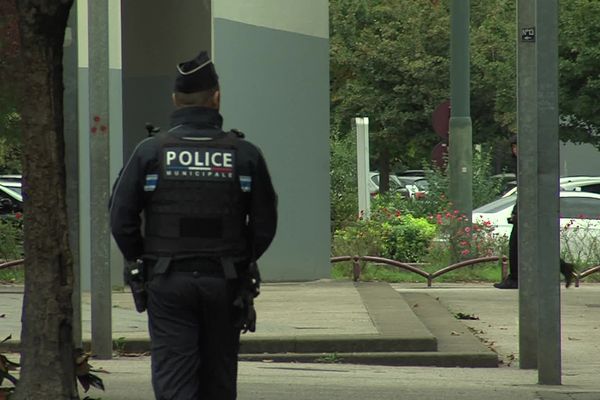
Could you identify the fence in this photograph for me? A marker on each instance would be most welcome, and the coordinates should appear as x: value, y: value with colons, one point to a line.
x: 430, y: 276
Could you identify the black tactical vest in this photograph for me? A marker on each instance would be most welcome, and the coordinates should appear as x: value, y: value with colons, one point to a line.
x: 198, y: 207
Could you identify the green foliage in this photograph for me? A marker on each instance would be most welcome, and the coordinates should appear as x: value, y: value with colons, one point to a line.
x: 484, y: 272
x: 389, y: 61
x: 11, y: 237
x: 459, y: 240
x: 388, y: 234
x: 13, y: 275
x: 579, y: 53
x: 344, y: 198
x: 10, y: 157
x: 493, y: 69
x: 580, y: 244
x: 485, y: 189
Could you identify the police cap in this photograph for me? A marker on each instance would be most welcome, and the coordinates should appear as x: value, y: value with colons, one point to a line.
x: 196, y: 75
x: 513, y: 139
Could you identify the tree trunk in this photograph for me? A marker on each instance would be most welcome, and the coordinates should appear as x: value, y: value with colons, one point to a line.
x: 47, y: 360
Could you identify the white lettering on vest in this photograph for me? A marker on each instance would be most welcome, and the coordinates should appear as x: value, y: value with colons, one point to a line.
x: 170, y: 156
x: 185, y: 158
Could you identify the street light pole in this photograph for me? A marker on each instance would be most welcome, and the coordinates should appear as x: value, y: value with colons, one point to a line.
x: 460, y: 149
x: 548, y: 240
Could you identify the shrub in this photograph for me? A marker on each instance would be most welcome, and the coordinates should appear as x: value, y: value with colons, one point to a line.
x: 388, y: 233
x: 580, y: 244
x: 11, y: 237
x: 344, y: 195
x: 459, y: 240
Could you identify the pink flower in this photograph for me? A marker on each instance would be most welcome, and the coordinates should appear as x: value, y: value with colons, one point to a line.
x: 465, y: 252
x: 467, y: 229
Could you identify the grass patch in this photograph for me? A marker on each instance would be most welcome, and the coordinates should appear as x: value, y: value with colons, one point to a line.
x: 487, y: 272
x: 12, y: 275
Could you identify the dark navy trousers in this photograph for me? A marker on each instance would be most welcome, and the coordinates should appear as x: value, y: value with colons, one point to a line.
x: 194, y: 340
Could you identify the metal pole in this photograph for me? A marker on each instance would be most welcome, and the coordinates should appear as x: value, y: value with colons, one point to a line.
x: 100, y: 185
x: 527, y: 182
x: 362, y: 165
x: 548, y: 245
x: 72, y: 163
x: 460, y: 149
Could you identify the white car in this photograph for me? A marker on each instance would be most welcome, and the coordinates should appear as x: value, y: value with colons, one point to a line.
x: 576, y: 183
x: 10, y: 200
x: 577, y: 209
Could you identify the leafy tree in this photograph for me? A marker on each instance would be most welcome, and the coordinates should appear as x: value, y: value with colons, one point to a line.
x: 579, y: 53
x: 493, y: 69
x: 35, y: 72
x: 344, y: 199
x: 10, y: 148
x: 389, y: 61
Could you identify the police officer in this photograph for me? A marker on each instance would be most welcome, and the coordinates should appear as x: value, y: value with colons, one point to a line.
x: 512, y: 280
x: 209, y: 210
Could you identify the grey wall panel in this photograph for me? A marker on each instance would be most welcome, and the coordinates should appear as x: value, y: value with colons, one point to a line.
x: 146, y: 99
x: 156, y: 36
x: 275, y: 87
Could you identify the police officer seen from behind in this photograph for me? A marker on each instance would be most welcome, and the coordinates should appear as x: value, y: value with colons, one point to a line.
x: 209, y: 211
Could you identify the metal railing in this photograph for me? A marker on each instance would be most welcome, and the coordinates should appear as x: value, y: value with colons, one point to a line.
x: 430, y: 276
x: 12, y: 263
x: 411, y: 267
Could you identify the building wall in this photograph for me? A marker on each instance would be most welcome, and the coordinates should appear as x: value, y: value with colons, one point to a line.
x: 156, y: 36
x: 272, y: 57
x: 579, y: 159
x: 273, y: 61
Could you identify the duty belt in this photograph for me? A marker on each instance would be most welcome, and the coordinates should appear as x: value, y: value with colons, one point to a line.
x: 223, y: 267
x: 204, y: 267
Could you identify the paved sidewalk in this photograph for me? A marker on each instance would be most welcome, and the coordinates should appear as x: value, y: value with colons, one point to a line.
x: 338, y: 309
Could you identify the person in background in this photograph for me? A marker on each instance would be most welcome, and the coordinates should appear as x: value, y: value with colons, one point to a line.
x: 512, y: 280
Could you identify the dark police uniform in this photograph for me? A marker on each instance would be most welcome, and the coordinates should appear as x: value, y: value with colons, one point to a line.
x: 209, y: 208
x: 512, y: 280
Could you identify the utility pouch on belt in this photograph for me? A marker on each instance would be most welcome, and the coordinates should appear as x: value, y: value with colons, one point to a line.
x: 135, y: 278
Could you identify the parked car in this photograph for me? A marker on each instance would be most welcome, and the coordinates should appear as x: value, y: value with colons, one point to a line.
x: 411, y: 172
x: 508, y: 180
x: 14, y: 186
x: 395, y: 185
x: 417, y: 186
x: 572, y: 183
x: 10, y: 200
x: 576, y: 209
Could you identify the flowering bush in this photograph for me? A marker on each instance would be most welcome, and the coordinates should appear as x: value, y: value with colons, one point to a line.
x: 388, y: 234
x: 458, y: 239
x: 580, y: 243
x: 11, y: 237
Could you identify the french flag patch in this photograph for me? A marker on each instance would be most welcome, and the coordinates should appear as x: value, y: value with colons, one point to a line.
x: 151, y: 182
